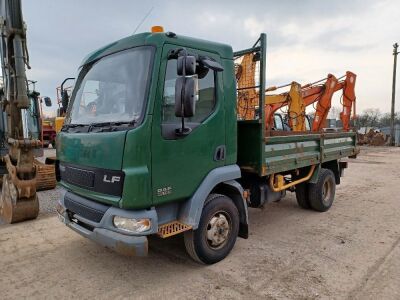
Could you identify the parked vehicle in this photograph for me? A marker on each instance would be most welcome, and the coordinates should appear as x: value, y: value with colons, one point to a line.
x: 49, y: 134
x: 152, y: 144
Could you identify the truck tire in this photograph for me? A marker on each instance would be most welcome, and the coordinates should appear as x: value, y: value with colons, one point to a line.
x: 322, y: 193
x: 218, y: 229
x: 302, y: 196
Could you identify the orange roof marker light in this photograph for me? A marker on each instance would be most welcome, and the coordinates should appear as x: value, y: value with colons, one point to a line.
x: 155, y: 29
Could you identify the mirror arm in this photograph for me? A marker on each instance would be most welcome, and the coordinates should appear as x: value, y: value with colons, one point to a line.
x: 211, y: 64
x: 62, y: 89
x: 182, y: 131
x: 65, y: 80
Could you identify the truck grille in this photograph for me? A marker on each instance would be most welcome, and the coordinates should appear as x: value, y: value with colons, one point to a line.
x: 103, y: 181
x: 85, y: 208
x: 79, y: 177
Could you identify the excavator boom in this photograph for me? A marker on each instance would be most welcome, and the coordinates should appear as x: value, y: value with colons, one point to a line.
x: 247, y: 94
x: 324, y: 103
x: 18, y: 200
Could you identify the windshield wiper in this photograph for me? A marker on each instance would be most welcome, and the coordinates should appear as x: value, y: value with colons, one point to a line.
x: 65, y: 127
x: 110, y: 125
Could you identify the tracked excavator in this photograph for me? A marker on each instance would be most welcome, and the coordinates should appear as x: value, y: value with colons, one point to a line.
x: 20, y: 122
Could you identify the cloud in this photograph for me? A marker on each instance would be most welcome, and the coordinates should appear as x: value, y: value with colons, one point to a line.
x: 306, y: 39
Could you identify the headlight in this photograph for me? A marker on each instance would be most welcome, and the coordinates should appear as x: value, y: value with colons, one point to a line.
x: 132, y: 225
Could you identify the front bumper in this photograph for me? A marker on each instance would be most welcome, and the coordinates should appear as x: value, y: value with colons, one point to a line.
x: 104, y: 232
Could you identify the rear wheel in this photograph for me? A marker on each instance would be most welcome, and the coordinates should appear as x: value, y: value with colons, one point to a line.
x: 302, y: 196
x: 322, y: 193
x: 218, y: 228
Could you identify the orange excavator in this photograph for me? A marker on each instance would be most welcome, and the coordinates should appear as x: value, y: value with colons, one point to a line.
x: 324, y: 93
x: 309, y: 94
x: 297, y: 98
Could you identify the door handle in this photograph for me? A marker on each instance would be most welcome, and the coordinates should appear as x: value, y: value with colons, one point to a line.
x: 220, y: 153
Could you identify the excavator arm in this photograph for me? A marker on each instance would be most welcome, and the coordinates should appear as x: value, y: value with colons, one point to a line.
x: 324, y: 102
x: 349, y: 100
x: 246, y: 82
x: 18, y: 200
x: 322, y: 94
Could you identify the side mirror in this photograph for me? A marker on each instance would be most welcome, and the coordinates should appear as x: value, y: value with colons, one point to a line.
x: 186, y: 65
x: 47, y: 101
x: 186, y: 91
x: 186, y: 95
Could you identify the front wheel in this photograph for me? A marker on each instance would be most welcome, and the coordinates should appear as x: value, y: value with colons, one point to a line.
x: 216, y: 235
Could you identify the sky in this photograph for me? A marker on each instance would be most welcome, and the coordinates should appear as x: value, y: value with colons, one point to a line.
x: 306, y: 39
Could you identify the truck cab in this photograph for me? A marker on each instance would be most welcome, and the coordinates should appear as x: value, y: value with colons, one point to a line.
x: 126, y: 170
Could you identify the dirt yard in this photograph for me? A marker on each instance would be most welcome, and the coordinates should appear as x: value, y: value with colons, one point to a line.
x: 351, y: 252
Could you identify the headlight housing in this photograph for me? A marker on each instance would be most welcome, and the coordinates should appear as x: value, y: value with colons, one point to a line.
x: 132, y: 225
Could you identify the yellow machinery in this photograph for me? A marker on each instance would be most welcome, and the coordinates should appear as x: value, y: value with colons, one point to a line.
x: 296, y: 106
x: 246, y: 72
x: 297, y: 98
x: 63, y: 95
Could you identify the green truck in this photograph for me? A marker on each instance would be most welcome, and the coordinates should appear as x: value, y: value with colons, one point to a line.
x: 152, y: 145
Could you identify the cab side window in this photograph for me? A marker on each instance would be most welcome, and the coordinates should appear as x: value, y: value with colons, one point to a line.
x: 278, y: 122
x: 206, y: 101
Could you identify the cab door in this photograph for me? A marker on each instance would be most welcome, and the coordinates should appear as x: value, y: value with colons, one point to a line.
x: 180, y: 163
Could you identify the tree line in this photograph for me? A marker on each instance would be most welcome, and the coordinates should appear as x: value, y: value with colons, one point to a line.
x: 372, y: 117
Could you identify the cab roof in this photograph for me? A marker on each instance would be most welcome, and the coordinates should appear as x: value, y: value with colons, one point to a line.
x: 158, y: 40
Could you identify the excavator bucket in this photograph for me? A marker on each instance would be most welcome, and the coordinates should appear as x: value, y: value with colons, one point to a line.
x: 13, y: 208
x: 45, y: 176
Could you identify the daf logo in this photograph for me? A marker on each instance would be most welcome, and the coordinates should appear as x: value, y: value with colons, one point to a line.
x: 113, y: 179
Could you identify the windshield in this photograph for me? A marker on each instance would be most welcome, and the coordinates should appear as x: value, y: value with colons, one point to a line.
x: 113, y: 89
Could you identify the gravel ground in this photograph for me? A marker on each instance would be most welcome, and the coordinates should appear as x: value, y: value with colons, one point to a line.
x: 350, y: 252
x: 47, y: 201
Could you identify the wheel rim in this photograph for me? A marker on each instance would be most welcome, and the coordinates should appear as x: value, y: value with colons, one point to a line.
x: 218, y: 230
x: 326, y: 192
